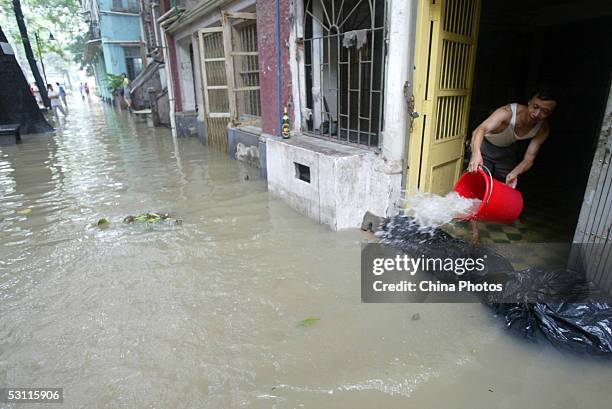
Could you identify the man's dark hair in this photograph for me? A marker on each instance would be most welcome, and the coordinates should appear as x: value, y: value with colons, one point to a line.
x: 545, y: 93
x: 57, y: 83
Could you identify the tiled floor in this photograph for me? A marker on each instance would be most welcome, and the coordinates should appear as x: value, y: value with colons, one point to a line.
x: 541, y: 235
x: 549, y: 216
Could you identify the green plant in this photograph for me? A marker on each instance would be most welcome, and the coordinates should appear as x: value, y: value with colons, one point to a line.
x: 113, y: 82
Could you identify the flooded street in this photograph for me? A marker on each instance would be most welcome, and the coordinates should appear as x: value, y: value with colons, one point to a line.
x: 206, y: 314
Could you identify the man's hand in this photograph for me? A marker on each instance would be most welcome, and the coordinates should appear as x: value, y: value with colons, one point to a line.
x: 475, y: 161
x: 512, y: 180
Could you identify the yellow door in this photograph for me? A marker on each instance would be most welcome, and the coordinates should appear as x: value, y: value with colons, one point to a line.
x: 445, y: 52
x: 215, y: 87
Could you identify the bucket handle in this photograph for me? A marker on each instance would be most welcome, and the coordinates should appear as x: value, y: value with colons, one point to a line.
x: 490, y: 184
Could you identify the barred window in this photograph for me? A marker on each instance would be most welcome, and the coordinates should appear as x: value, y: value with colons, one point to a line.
x: 131, y: 6
x: 345, y: 51
x: 246, y: 72
x: 133, y: 61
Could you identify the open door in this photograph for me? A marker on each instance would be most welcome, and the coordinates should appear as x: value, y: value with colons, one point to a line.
x: 214, y: 85
x: 230, y: 75
x: 445, y: 54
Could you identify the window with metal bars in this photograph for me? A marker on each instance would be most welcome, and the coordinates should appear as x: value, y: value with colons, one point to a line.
x: 131, y: 6
x: 245, y: 59
x: 133, y: 61
x: 345, y: 50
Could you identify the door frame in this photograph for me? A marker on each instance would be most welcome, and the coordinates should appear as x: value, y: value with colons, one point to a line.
x: 424, y: 151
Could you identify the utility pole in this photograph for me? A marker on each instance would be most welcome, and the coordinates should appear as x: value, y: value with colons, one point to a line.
x: 42, y: 63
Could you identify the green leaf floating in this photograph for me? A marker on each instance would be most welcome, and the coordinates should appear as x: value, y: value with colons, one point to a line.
x: 103, y: 223
x: 308, y: 322
x: 151, y: 217
x: 24, y: 211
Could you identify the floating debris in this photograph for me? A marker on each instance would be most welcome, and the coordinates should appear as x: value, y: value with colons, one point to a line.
x: 142, y: 218
x: 103, y: 223
x: 151, y: 217
x: 24, y: 211
x: 308, y: 322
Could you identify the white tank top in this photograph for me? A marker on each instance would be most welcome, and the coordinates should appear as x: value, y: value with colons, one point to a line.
x: 507, y: 137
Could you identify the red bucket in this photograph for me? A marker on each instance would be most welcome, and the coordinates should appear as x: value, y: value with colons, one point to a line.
x: 500, y: 202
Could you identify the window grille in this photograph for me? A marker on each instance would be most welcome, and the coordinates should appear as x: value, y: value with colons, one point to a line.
x: 230, y: 74
x: 131, y: 6
x: 133, y: 61
x: 246, y: 72
x: 345, y: 48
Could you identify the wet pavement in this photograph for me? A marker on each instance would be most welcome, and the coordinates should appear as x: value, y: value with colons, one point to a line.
x: 206, y: 314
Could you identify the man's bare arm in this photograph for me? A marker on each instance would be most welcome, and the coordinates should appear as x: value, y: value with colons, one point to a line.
x: 490, y: 124
x: 529, y: 158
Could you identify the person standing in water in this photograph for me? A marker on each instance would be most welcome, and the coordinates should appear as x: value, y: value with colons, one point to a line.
x: 126, y: 91
x: 494, y: 142
x: 54, y: 98
x: 62, y: 93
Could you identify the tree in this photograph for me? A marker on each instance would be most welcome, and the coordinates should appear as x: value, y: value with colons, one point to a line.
x: 17, y: 104
x: 42, y: 88
x: 63, y: 18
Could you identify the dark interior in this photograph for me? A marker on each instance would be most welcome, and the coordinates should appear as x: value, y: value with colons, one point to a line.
x: 566, y: 45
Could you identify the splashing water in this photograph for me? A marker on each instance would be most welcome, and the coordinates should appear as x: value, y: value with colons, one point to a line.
x: 431, y: 211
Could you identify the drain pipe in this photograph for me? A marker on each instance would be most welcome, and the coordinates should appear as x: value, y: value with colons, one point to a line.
x: 278, y: 67
x: 155, y: 24
x: 169, y: 79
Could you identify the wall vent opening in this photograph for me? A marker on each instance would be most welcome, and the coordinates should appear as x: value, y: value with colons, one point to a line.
x: 302, y: 172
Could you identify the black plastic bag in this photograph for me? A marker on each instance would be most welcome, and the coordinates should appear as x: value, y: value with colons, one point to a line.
x: 567, y: 310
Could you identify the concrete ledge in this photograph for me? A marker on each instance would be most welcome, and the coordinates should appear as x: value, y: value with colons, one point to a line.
x: 332, y: 183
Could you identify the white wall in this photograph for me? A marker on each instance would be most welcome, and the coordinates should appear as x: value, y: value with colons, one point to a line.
x: 346, y: 182
x: 399, y: 67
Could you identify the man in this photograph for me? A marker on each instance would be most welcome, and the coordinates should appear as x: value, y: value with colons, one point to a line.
x: 494, y: 142
x: 62, y: 94
x: 81, y: 87
x: 126, y: 91
x: 54, y: 98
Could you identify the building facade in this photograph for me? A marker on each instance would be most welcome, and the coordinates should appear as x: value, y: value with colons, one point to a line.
x: 237, y: 66
x: 382, y: 95
x: 116, y: 40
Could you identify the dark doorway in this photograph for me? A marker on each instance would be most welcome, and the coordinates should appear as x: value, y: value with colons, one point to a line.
x: 565, y: 44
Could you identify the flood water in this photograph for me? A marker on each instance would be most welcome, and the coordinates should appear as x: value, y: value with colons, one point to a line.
x: 205, y: 315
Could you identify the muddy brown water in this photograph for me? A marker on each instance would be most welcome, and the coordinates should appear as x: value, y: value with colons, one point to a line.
x: 205, y: 315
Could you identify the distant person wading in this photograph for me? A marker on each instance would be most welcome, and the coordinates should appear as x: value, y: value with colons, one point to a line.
x: 62, y: 94
x: 56, y: 104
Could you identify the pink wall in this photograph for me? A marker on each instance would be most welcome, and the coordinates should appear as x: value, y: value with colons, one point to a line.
x: 266, y: 41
